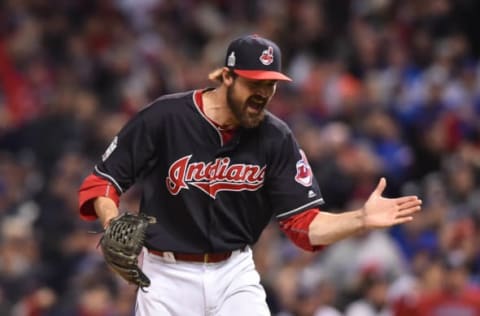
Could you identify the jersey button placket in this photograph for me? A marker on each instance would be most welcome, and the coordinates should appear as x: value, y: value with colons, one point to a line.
x: 211, y: 178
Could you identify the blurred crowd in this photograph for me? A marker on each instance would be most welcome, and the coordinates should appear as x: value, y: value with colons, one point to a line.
x: 381, y: 88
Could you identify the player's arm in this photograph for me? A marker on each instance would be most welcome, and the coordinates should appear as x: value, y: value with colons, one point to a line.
x: 127, y: 157
x: 313, y: 229
x: 296, y: 198
x: 377, y: 212
x: 106, y: 209
x: 98, y: 199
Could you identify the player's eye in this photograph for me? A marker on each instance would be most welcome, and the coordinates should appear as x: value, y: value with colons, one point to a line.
x: 263, y: 84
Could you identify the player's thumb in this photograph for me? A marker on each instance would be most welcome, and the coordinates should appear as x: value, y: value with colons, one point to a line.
x: 380, y: 186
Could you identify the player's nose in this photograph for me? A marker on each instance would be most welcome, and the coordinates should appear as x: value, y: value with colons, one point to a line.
x: 264, y: 91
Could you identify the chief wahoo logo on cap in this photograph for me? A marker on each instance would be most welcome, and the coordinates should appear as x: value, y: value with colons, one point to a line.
x: 267, y: 56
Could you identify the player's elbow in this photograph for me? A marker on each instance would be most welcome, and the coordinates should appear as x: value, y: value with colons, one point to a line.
x: 319, y: 239
x: 307, y: 245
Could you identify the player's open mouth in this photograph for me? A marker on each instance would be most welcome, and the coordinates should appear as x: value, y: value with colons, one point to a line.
x: 256, y: 104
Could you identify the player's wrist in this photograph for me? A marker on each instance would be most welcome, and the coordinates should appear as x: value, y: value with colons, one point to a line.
x: 362, y: 219
x: 105, y: 222
x: 107, y: 217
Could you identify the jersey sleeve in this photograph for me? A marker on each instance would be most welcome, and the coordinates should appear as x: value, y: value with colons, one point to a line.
x: 91, y: 188
x: 296, y: 228
x: 130, y: 154
x: 291, y: 185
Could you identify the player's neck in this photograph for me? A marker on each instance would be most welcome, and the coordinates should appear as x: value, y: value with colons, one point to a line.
x: 216, y: 108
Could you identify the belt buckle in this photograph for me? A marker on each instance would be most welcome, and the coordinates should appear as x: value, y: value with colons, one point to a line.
x: 205, y: 258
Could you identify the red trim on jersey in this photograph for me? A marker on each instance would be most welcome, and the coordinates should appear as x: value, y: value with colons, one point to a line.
x: 94, y: 186
x: 296, y: 228
x: 226, y: 134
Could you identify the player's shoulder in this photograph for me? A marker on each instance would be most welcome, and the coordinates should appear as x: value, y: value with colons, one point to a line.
x: 273, y: 125
x: 169, y: 102
x: 176, y: 97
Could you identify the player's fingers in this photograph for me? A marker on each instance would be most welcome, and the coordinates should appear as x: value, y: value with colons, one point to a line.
x: 403, y: 220
x: 381, y: 186
x: 408, y: 211
x: 406, y: 199
x: 409, y: 204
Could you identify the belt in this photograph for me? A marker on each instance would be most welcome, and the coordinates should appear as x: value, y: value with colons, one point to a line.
x: 194, y: 257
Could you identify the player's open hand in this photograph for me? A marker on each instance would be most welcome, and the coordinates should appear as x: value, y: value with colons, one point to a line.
x: 384, y: 212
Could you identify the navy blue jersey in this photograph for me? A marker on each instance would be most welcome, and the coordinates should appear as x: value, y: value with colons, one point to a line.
x: 208, y: 196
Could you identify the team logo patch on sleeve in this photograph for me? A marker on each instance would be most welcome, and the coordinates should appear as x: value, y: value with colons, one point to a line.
x: 304, y: 174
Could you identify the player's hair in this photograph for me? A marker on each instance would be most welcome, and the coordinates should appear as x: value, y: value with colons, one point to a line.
x: 216, y: 75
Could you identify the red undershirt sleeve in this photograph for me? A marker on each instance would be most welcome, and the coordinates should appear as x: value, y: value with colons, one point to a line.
x: 296, y: 228
x: 94, y: 186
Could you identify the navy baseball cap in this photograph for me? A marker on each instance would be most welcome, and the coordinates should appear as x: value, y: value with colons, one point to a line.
x: 255, y: 57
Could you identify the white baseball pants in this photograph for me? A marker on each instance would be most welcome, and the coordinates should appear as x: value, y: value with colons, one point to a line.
x: 228, y: 288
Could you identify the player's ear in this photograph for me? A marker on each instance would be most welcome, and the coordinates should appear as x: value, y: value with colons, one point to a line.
x: 228, y: 76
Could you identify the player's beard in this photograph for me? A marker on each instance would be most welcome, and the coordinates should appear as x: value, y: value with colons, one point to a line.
x: 240, y: 109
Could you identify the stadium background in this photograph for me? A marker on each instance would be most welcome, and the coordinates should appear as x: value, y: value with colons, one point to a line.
x: 381, y: 87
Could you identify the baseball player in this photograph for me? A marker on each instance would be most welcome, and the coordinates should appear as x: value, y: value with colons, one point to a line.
x: 216, y: 168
